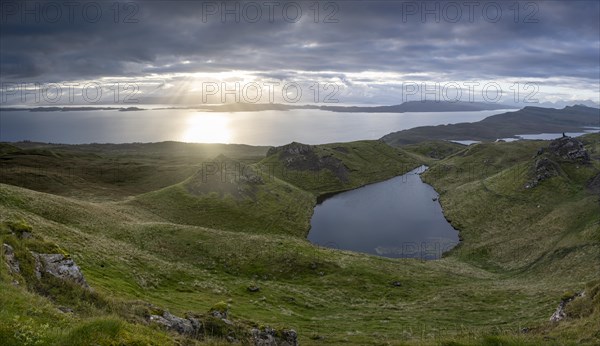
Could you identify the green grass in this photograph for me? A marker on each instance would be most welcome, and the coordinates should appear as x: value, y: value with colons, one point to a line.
x: 188, y: 247
x: 362, y: 162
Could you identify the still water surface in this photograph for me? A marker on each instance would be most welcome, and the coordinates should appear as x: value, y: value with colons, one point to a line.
x: 399, y: 217
x: 253, y: 128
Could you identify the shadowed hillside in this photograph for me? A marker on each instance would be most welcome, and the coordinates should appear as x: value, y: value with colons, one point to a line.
x: 528, y: 120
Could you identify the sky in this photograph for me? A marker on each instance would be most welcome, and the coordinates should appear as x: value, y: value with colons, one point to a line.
x: 305, y: 52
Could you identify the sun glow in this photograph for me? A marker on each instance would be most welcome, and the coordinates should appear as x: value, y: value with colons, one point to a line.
x: 207, y: 128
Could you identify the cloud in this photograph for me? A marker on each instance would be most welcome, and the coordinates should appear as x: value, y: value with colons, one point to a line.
x: 547, y: 40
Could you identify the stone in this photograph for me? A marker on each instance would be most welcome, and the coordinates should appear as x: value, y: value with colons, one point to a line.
x: 60, y: 266
x: 560, y: 313
x: 253, y: 289
x: 269, y: 337
x: 303, y: 157
x: 12, y: 262
x: 65, y: 309
x: 219, y: 314
x: 544, y: 169
x: 180, y: 325
x: 185, y: 326
x: 396, y: 284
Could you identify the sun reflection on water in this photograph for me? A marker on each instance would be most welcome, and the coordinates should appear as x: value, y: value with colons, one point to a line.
x: 207, y: 128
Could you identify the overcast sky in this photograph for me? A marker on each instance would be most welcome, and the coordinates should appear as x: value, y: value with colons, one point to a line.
x: 372, y: 52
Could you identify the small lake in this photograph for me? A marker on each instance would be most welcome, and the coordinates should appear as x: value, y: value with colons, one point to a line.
x: 400, y: 218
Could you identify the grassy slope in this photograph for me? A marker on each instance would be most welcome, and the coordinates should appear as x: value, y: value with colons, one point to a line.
x: 225, y: 201
x: 548, y: 236
x: 365, y: 161
x: 109, y: 171
x: 131, y: 253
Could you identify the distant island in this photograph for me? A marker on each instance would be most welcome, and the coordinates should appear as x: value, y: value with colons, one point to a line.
x: 525, y: 121
x: 410, y: 106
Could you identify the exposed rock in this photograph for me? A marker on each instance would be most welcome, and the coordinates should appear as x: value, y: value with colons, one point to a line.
x: 11, y: 260
x: 60, y: 266
x: 560, y: 313
x: 396, y: 284
x: 65, y: 309
x: 298, y: 156
x: 269, y: 337
x: 186, y: 326
x: 569, y: 148
x: 160, y: 321
x: 194, y: 327
x: 253, y: 289
x: 565, y: 148
x: 544, y: 169
x: 539, y: 152
x: 293, y: 148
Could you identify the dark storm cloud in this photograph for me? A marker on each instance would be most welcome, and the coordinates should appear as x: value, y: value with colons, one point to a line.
x: 383, y: 36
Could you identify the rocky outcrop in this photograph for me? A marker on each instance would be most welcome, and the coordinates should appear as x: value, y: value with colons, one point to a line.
x: 185, y: 326
x: 11, y: 260
x: 560, y: 313
x: 60, y: 266
x: 564, y: 148
x: 291, y: 149
x: 194, y: 327
x: 569, y: 148
x: 270, y: 337
x: 544, y: 169
x: 303, y: 157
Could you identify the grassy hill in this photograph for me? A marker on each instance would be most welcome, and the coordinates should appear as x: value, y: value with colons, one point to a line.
x: 330, y: 168
x: 204, y: 240
x: 109, y: 171
x: 229, y: 195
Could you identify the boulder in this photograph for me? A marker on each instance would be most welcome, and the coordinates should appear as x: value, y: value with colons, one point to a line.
x: 60, y: 266
x: 185, y: 326
x: 270, y: 337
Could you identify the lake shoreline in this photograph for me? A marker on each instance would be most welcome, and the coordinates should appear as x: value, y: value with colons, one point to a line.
x: 398, y: 223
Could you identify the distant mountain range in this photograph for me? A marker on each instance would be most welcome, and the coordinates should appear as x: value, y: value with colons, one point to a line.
x: 529, y: 120
x: 410, y: 106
